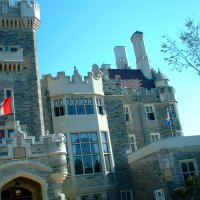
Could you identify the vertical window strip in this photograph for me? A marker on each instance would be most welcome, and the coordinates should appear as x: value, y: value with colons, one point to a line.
x: 106, y: 153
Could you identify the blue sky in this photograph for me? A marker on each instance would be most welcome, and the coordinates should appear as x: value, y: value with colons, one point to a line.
x: 83, y: 32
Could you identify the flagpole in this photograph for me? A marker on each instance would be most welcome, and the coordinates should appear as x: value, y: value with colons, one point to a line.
x: 13, y: 106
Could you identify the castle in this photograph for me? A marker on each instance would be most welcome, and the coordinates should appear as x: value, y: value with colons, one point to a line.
x: 99, y: 137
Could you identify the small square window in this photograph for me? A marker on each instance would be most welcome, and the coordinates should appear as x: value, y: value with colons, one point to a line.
x: 154, y: 137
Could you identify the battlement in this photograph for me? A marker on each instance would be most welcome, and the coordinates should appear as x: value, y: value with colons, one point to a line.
x: 62, y: 84
x: 30, y: 10
x: 20, y: 15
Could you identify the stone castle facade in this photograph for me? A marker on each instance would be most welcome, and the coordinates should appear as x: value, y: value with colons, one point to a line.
x: 104, y: 133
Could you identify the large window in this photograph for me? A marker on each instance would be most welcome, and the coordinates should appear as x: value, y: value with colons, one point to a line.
x: 188, y: 168
x: 126, y: 195
x: 150, y: 113
x: 79, y: 106
x: 59, y: 108
x: 86, y: 154
x: 105, y: 147
x: 132, y: 141
x: 172, y: 111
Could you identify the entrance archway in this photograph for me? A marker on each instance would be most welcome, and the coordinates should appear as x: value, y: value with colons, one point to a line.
x: 21, y: 188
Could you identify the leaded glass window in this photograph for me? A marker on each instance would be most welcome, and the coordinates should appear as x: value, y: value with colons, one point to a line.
x: 86, y: 154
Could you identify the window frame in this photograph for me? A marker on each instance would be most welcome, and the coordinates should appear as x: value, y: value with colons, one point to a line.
x: 59, y: 109
x: 153, y: 138
x: 93, y: 144
x: 173, y: 111
x: 149, y: 113
x: 80, y: 105
x: 127, y: 113
x: 133, y: 142
x: 126, y: 191
x: 100, y: 105
x: 187, y: 161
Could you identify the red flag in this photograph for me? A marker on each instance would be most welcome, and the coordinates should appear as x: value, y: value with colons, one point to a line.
x: 6, y: 106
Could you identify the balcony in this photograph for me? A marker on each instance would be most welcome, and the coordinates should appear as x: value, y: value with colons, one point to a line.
x: 11, y: 57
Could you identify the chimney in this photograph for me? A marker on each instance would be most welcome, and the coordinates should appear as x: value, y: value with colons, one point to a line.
x: 142, y: 61
x: 121, y: 58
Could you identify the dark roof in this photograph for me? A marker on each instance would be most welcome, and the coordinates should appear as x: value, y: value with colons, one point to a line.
x: 137, y: 77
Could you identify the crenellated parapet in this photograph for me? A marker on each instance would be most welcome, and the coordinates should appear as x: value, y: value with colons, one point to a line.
x: 21, y: 15
x: 75, y: 84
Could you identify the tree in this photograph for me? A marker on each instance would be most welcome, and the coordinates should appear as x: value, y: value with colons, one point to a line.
x: 188, y: 55
x: 191, y: 189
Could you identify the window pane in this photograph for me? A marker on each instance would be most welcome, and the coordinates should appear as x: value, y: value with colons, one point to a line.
x: 85, y: 148
x: 94, y: 148
x: 78, y: 166
x: 71, y: 110
x: 76, y: 101
x: 72, y: 101
x: 85, y: 101
x: 87, y: 164
x: 96, y: 163
x: 184, y: 167
x: 81, y: 101
x: 57, y: 111
x: 128, y: 195
x: 76, y: 149
x: 80, y: 110
x: 75, y: 137
x: 89, y: 109
x: 84, y: 137
x: 8, y: 93
x: 191, y: 166
x: 93, y: 137
x: 103, y: 137
x: 67, y: 101
x: 90, y: 101
x: 123, y: 195
x: 10, y: 132
x: 105, y: 147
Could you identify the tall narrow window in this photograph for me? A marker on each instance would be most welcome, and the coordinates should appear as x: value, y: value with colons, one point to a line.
x: 150, y: 113
x: 105, y: 147
x: 59, y: 108
x: 126, y: 113
x: 100, y: 107
x: 10, y: 132
x: 132, y: 141
x: 188, y: 168
x: 154, y: 137
x: 7, y: 92
x: 172, y: 111
x: 86, y: 154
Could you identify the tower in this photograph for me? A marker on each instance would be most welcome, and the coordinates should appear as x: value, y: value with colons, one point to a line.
x: 142, y: 61
x: 19, y: 65
x: 121, y: 57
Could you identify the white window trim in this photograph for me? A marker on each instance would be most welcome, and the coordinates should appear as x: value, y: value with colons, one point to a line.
x: 153, y: 135
x: 153, y: 109
x: 187, y: 161
x: 134, y: 139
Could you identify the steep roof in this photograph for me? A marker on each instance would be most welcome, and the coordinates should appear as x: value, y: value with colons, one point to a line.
x: 132, y: 78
